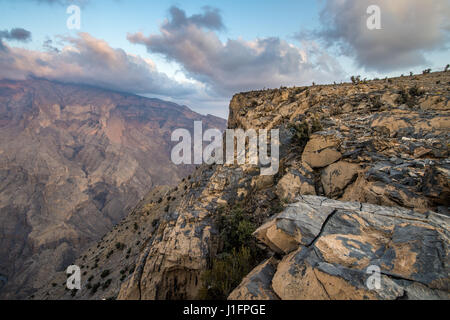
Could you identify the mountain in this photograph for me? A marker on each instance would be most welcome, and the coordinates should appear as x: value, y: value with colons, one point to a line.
x: 358, y: 210
x: 74, y: 160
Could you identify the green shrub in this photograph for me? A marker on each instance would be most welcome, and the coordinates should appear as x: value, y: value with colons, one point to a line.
x: 316, y: 125
x: 106, y: 284
x: 235, y: 228
x: 302, y: 132
x: 95, y: 287
x: 120, y: 246
x: 105, y: 273
x: 226, y: 274
x: 239, y: 256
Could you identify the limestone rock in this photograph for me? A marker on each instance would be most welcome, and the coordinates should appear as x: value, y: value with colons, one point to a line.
x: 336, y: 177
x: 321, y: 151
x: 410, y: 249
x: 294, y: 184
x: 257, y: 285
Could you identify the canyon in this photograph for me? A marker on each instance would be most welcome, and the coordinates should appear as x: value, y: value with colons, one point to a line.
x: 74, y: 160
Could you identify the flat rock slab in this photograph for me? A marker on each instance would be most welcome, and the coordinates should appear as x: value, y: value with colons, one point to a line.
x: 341, y: 244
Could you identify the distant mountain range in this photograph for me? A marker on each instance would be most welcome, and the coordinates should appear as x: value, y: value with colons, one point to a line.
x: 73, y: 160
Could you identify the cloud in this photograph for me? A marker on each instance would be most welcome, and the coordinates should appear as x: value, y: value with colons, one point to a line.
x: 17, y: 34
x: 85, y: 59
x: 210, y: 19
x: 410, y: 29
x: 236, y: 65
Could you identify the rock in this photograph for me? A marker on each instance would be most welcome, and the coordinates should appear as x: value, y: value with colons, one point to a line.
x: 410, y: 249
x: 436, y: 185
x: 276, y: 239
x: 257, y: 285
x: 294, y: 184
x: 336, y: 177
x: 421, y: 151
x: 289, y: 229
x: 321, y: 151
x: 262, y: 182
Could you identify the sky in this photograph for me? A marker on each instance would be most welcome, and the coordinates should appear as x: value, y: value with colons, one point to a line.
x: 199, y: 53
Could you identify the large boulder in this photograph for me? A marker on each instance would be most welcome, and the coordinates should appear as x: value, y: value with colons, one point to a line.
x: 294, y: 184
x: 336, y: 177
x: 352, y: 250
x: 257, y: 285
x: 321, y: 150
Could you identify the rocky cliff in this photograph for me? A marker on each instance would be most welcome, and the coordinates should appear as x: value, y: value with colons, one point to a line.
x: 73, y: 161
x: 363, y: 186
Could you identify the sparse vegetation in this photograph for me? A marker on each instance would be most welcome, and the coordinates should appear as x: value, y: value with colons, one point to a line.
x: 95, y: 287
x: 106, y: 284
x: 226, y: 273
x: 105, y: 273
x: 355, y: 80
x: 316, y: 125
x: 406, y: 98
x: 239, y: 256
x: 120, y: 246
x: 302, y: 132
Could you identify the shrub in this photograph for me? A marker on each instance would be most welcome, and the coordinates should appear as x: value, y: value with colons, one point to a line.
x: 302, y: 132
x: 239, y: 256
x: 316, y: 125
x: 106, y: 284
x: 95, y: 287
x: 120, y: 246
x: 236, y: 229
x: 226, y: 273
x: 406, y: 98
x: 415, y: 92
x: 105, y: 273
x: 355, y: 80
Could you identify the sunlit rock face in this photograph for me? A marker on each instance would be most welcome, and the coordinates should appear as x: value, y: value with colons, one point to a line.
x: 73, y: 160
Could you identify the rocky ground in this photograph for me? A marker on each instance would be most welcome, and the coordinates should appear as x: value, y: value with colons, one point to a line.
x: 363, y: 183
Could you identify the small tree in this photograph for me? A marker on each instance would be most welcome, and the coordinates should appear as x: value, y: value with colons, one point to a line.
x: 447, y: 67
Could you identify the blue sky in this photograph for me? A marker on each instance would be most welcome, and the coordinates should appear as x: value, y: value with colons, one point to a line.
x: 249, y: 23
